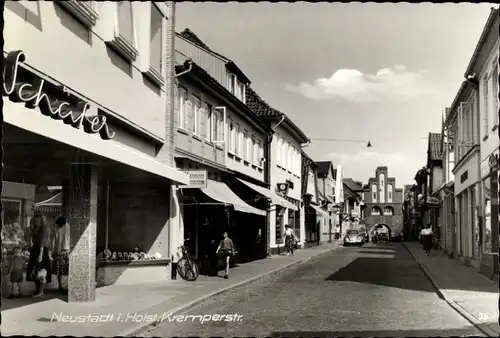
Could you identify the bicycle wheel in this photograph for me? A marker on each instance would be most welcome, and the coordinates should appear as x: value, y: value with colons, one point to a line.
x: 187, y: 269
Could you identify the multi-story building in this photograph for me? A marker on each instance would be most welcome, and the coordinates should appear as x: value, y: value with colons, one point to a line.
x: 221, y: 137
x: 482, y: 73
x: 384, y: 203
x: 353, y: 195
x: 72, y: 120
x: 317, y: 219
x: 463, y: 123
x: 217, y: 129
x: 446, y: 192
x: 330, y: 195
x: 285, y: 168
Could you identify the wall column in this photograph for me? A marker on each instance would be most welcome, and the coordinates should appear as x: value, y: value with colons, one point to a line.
x: 81, y: 206
x: 302, y: 225
x: 271, y: 218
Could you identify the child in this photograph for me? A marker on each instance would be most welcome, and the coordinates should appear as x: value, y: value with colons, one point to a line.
x: 16, y: 270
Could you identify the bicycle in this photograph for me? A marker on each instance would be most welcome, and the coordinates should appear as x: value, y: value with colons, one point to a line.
x: 187, y: 267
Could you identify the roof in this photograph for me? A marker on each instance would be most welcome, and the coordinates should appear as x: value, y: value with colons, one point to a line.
x: 323, y: 167
x: 482, y: 39
x: 353, y: 186
x: 190, y: 36
x: 434, y: 147
x: 262, y: 109
x: 211, y: 82
x: 311, y: 162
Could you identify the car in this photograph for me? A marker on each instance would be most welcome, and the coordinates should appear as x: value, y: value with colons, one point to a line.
x: 383, y: 237
x: 353, y: 237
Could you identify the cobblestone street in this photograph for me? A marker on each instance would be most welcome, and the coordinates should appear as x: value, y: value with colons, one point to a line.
x: 374, y: 290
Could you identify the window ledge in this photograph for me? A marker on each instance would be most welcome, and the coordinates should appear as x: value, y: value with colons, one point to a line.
x: 219, y: 147
x: 82, y: 10
x: 197, y: 137
x: 153, y: 75
x: 125, y: 48
x: 495, y: 127
x: 254, y: 166
x: 246, y: 161
x: 485, y: 137
x: 182, y: 130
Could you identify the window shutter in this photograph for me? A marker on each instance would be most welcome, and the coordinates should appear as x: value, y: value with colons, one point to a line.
x: 189, y: 116
x: 176, y: 105
x: 203, y: 122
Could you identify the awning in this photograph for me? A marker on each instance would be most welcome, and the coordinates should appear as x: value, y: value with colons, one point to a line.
x: 221, y: 192
x: 55, y: 200
x: 448, y: 187
x: 431, y: 201
x: 319, y: 210
x: 275, y: 199
x: 30, y: 120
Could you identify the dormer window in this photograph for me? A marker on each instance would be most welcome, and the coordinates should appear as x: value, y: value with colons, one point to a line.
x: 236, y: 87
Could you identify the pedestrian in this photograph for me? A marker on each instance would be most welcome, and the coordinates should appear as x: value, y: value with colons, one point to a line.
x: 337, y: 232
x: 226, y: 250
x: 426, y: 236
x: 289, y: 239
x: 39, y: 258
x: 60, y: 247
x: 16, y: 269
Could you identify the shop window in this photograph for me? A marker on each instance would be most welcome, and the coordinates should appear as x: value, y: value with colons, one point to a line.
x: 487, y: 235
x: 12, y: 230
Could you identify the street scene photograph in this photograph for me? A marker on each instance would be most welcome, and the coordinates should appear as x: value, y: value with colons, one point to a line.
x: 233, y: 169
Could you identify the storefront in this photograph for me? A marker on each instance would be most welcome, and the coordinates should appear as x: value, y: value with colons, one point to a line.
x: 116, y: 199
x: 317, y: 221
x: 210, y: 206
x: 489, y: 261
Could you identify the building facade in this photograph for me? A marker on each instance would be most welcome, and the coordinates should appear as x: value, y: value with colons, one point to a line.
x: 78, y: 106
x: 285, y: 170
x: 384, y: 202
x: 317, y: 219
x: 484, y: 64
x: 330, y: 196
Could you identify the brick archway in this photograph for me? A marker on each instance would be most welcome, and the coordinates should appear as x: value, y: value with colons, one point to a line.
x: 383, y: 225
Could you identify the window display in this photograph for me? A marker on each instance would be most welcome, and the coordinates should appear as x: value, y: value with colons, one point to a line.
x: 12, y: 230
x: 487, y: 239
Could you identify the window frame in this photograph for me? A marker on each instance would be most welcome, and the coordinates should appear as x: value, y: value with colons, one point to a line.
x: 278, y: 151
x: 84, y: 11
x: 182, y: 106
x: 230, y: 135
x: 237, y: 139
x: 196, y: 114
x: 245, y: 145
x: 156, y: 74
x: 127, y: 49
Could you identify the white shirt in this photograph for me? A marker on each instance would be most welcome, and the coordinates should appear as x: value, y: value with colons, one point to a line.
x: 425, y: 232
x: 288, y: 232
x: 61, y: 239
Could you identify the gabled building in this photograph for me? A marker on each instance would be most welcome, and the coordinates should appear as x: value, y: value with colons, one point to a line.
x: 317, y: 219
x: 284, y: 158
x: 435, y: 167
x: 384, y: 203
x: 353, y: 197
x: 330, y: 195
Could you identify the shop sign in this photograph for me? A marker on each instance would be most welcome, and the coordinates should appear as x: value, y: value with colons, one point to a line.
x: 197, y: 179
x: 493, y: 162
x: 282, y: 189
x: 53, y: 101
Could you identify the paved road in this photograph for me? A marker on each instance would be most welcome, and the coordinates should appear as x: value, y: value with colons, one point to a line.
x: 375, y: 290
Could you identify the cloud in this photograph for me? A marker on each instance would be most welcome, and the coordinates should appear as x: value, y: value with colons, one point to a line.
x: 394, y: 84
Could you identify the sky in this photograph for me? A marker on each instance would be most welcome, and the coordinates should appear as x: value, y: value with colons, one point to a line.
x: 363, y: 72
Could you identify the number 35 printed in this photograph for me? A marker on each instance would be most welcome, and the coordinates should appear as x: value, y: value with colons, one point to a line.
x: 483, y: 316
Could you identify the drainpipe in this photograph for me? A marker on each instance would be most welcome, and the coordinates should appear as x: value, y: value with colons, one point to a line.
x: 267, y: 181
x: 190, y: 63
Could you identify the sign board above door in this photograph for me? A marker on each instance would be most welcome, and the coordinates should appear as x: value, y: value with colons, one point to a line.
x: 197, y: 179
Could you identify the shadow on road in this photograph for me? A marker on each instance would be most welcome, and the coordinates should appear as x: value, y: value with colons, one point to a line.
x: 376, y: 252
x: 460, y: 332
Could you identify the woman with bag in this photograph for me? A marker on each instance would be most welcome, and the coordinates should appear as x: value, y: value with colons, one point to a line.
x: 426, y: 237
x: 60, y: 247
x: 226, y: 250
x: 39, y: 269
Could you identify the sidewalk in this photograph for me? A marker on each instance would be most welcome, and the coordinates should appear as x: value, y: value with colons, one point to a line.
x: 468, y: 292
x: 144, y: 299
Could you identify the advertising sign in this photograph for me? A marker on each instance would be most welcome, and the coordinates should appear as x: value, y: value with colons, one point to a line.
x: 197, y: 179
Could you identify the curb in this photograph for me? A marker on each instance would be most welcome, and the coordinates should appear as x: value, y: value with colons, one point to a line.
x: 143, y: 327
x: 482, y: 327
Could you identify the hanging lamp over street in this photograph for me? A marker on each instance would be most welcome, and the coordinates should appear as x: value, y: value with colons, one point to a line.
x: 369, y: 145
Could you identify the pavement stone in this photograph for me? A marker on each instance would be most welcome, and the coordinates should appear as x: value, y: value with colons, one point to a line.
x: 375, y: 290
x: 37, y: 318
x: 466, y: 290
